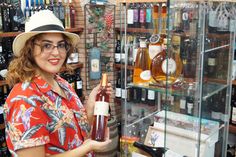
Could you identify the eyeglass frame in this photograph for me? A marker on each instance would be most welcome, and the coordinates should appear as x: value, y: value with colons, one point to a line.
x: 53, y: 46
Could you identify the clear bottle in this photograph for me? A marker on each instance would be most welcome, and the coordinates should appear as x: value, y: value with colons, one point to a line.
x: 101, y: 111
x: 142, y: 73
x: 167, y: 68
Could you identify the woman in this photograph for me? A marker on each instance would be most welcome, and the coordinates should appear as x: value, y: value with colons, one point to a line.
x: 44, y: 116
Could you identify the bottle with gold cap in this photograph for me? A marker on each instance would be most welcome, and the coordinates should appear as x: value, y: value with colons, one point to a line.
x: 166, y: 66
x: 101, y: 111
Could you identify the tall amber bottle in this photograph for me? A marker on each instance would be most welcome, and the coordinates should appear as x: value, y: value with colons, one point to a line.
x: 142, y: 72
x: 101, y: 110
x: 166, y: 67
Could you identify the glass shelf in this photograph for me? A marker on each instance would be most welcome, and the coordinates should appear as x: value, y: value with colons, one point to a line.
x: 209, y: 89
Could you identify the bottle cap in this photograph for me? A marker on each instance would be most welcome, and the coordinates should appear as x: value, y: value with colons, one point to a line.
x: 104, y: 80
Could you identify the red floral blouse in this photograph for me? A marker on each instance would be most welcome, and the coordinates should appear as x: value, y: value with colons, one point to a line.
x: 36, y: 115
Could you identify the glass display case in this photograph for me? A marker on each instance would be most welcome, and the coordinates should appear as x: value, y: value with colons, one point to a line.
x: 175, y: 64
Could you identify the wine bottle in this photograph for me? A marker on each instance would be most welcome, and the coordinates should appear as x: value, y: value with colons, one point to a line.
x: 101, y: 109
x: 142, y: 64
x: 5, y: 17
x: 78, y: 84
x: 211, y: 64
x: 72, y: 14
x: 164, y: 17
x: 118, y: 85
x: 151, y: 97
x: 182, y: 105
x: 130, y: 15
x: 144, y: 95
x: 190, y: 105
x: 67, y: 14
x: 142, y: 15
x: 117, y: 50
x: 155, y: 16
x: 153, y: 151
x: 94, y: 61
x: 233, y: 113
x: 148, y: 24
x: 61, y: 9
x: 136, y: 15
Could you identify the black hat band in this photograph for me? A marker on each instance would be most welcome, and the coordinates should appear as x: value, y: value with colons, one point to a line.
x: 49, y: 27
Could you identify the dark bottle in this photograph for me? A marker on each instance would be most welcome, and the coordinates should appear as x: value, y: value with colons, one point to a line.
x: 101, y: 111
x: 2, y: 57
x: 233, y: 113
x: 142, y: 15
x: 123, y: 88
x: 215, y: 108
x: 137, y: 95
x: 148, y: 23
x: 212, y: 20
x: 211, y: 64
x: 61, y: 12
x: 182, y: 105
x: 151, y: 97
x: 78, y: 84
x: 153, y: 151
x: 118, y: 50
x: 6, y: 17
x: 129, y: 90
x: 118, y: 85
x: 136, y: 15
x: 130, y: 15
x: 143, y: 95
x: 190, y: 105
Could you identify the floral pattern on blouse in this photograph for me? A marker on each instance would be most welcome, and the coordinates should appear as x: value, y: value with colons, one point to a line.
x: 36, y: 115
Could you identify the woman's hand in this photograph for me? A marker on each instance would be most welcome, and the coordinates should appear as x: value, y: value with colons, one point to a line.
x: 97, y: 146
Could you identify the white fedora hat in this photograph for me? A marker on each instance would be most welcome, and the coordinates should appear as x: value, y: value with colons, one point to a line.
x: 43, y: 21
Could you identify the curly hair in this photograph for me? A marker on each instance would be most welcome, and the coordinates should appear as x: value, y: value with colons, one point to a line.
x: 23, y: 68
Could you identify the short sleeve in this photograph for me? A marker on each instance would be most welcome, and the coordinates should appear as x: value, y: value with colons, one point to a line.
x: 26, y: 123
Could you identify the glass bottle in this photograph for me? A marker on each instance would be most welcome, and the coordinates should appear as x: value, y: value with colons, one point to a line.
x: 130, y: 15
x: 166, y: 67
x: 142, y: 64
x: 101, y: 110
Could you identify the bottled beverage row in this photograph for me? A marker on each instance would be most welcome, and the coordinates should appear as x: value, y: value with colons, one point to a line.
x: 14, y: 15
x: 146, y: 54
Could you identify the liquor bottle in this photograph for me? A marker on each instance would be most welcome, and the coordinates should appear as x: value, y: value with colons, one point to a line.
x: 155, y: 45
x: 94, y: 61
x: 101, y: 109
x: 118, y: 85
x: 155, y: 16
x: 136, y: 15
x: 190, y: 105
x: 151, y: 97
x: 117, y: 50
x: 67, y: 14
x: 78, y: 84
x: 164, y: 17
x: 233, y: 113
x: 123, y: 87
x: 5, y: 17
x: 166, y: 69
x: 211, y: 64
x: 142, y: 64
x: 61, y: 9
x: 27, y: 10
x: 153, y: 151
x: 72, y: 14
x: 130, y: 50
x: 148, y: 23
x: 130, y: 15
x: 182, y: 102
x: 142, y: 15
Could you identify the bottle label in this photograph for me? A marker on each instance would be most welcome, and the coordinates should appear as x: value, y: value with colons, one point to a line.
x: 212, y: 19
x: 234, y: 115
x: 130, y: 16
x: 79, y: 84
x: 148, y: 15
x: 123, y: 93
x: 151, y: 95
x: 183, y: 104
x: 154, y: 50
x: 118, y: 92
x: 190, y: 108
x: 95, y: 65
x: 117, y: 57
x: 211, y: 61
x: 185, y: 16
x: 101, y: 108
x: 141, y: 16
x: 171, y: 66
x: 135, y: 51
x: 145, y: 75
x: 135, y: 15
x: 143, y: 44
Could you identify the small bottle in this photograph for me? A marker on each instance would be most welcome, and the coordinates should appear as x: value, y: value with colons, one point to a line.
x: 142, y: 64
x: 101, y: 110
x: 79, y: 84
x: 118, y: 50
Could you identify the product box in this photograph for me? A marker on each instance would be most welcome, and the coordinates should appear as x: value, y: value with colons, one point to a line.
x: 180, y: 133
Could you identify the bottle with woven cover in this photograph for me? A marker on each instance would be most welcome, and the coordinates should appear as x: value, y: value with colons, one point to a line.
x: 142, y: 73
x: 101, y: 111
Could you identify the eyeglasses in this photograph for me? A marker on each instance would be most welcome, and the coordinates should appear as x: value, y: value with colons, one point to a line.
x: 47, y: 48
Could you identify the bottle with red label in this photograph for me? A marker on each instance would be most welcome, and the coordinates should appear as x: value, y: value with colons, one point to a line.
x: 101, y: 111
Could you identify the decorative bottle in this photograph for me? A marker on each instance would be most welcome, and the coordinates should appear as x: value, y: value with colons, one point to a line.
x: 101, y: 110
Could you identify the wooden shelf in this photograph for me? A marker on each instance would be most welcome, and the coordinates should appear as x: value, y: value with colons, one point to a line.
x: 121, y: 66
x: 232, y: 129
x: 13, y: 34
x: 233, y: 82
x: 135, y: 30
